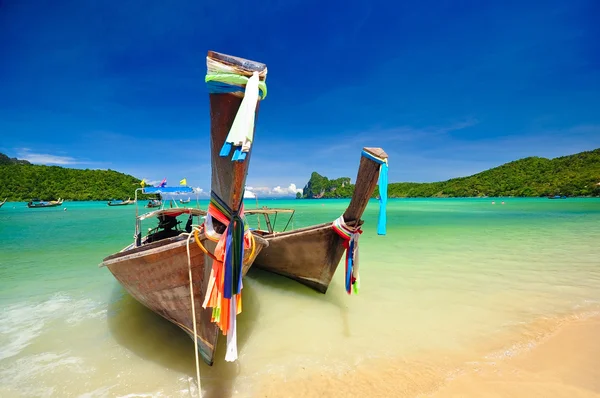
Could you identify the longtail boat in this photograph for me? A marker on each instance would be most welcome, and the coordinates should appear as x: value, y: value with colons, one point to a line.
x: 152, y: 203
x: 120, y: 202
x: 310, y: 255
x: 169, y: 266
x: 36, y: 203
x: 1, y: 203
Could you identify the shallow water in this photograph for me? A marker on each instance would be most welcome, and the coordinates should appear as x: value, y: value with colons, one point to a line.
x: 450, y: 276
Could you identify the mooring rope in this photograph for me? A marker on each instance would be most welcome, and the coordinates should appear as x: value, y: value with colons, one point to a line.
x: 187, y: 244
x: 383, y: 187
x: 350, y: 236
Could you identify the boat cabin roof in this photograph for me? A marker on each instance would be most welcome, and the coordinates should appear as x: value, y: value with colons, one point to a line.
x: 174, y: 212
x: 171, y: 190
x: 266, y: 210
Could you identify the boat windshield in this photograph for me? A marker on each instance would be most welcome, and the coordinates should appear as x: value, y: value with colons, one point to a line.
x: 264, y: 220
x: 172, y: 219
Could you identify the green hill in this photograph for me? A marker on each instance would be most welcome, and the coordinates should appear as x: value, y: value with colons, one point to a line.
x: 22, y: 181
x: 573, y: 175
x: 322, y: 187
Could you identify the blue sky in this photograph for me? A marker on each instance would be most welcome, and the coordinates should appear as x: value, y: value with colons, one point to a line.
x: 448, y: 89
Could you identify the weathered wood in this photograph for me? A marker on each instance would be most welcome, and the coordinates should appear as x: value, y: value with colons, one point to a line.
x: 311, y: 255
x: 243, y: 66
x: 156, y: 275
x: 228, y: 178
x: 366, y: 180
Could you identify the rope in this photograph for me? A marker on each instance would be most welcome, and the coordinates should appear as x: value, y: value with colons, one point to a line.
x: 201, y: 246
x: 212, y: 256
x: 224, y: 78
x: 225, y: 284
x: 193, y: 312
x: 350, y: 236
x: 383, y: 187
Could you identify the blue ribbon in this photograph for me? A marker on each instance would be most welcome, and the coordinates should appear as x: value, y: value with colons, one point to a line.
x: 350, y: 264
x: 383, y: 187
x: 228, y: 282
x: 215, y: 87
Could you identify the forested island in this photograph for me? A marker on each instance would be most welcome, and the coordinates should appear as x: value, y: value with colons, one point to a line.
x: 573, y: 175
x: 23, y: 181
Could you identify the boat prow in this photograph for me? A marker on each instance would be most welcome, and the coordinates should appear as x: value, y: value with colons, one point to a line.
x: 180, y: 273
x: 157, y: 276
x: 311, y: 255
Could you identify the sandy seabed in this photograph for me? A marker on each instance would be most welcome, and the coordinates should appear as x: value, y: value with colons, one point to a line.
x: 564, y: 361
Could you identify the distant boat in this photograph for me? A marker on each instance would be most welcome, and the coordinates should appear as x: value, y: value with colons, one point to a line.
x: 35, y: 203
x: 1, y: 203
x: 182, y: 201
x: 120, y: 202
x: 310, y: 255
x: 557, y: 197
x: 154, y: 203
x: 156, y: 269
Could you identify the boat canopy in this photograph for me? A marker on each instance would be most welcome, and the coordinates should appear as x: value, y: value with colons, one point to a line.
x: 175, y: 212
x: 171, y: 190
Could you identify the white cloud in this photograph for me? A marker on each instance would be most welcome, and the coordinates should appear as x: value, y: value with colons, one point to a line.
x: 291, y: 190
x: 44, y: 158
x: 252, y: 192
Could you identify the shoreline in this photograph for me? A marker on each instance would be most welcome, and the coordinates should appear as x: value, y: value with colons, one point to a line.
x: 206, y: 198
x: 558, y: 357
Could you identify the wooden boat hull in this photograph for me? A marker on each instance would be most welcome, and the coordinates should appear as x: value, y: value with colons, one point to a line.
x: 157, y: 276
x: 32, y: 206
x: 311, y: 255
x: 308, y: 255
x: 121, y: 204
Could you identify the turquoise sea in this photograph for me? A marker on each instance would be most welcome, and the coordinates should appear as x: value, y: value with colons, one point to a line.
x: 450, y: 276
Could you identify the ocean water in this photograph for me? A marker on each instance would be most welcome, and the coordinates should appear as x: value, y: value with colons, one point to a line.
x: 450, y: 276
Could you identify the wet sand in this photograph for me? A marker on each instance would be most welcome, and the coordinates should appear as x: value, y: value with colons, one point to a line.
x: 562, y: 362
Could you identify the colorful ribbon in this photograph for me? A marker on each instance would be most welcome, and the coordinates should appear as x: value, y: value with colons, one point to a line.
x: 383, y: 187
x: 229, y: 83
x: 224, y: 293
x: 222, y: 78
x: 350, y: 236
